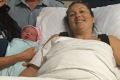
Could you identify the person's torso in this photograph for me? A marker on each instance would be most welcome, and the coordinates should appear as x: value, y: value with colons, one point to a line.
x: 21, y: 13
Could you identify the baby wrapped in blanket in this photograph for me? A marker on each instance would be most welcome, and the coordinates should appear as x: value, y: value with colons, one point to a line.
x: 30, y: 37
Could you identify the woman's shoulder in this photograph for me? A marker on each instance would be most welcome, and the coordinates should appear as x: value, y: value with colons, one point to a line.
x: 58, y: 37
x: 115, y: 44
x: 52, y: 38
x: 113, y: 40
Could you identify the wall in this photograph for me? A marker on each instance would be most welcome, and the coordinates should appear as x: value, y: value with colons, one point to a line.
x: 95, y: 3
x: 67, y: 3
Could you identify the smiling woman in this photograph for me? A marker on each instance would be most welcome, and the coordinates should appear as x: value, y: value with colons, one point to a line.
x: 80, y: 19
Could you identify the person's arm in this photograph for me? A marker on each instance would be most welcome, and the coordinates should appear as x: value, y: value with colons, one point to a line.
x: 10, y: 60
x: 30, y: 71
x: 33, y: 68
x: 115, y: 44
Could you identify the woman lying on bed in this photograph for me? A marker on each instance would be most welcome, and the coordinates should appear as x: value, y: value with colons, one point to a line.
x: 82, y: 55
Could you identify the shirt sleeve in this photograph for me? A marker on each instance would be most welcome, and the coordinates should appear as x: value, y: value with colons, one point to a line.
x: 37, y: 59
x: 42, y: 52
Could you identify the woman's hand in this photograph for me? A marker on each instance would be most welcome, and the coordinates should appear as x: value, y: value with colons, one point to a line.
x: 27, y: 55
x: 2, y: 2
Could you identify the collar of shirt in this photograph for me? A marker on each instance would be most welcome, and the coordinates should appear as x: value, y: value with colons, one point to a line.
x: 43, y: 3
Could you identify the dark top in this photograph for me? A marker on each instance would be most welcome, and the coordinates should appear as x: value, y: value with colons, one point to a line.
x: 103, y: 37
x: 100, y: 3
x: 9, y: 29
x: 3, y: 47
x: 8, y: 25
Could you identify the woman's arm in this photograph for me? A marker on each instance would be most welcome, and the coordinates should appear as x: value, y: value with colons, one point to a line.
x: 30, y: 71
x: 115, y: 44
x: 10, y: 60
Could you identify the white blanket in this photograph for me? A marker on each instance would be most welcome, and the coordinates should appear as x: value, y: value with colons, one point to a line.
x: 25, y: 78
x: 79, y: 59
x: 16, y: 46
x: 76, y: 59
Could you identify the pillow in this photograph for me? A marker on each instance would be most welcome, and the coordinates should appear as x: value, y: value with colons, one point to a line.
x: 107, y: 20
x: 51, y: 21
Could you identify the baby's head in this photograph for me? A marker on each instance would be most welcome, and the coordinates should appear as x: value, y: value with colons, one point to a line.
x: 30, y: 32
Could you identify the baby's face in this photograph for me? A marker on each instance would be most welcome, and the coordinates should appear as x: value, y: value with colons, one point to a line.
x: 29, y: 33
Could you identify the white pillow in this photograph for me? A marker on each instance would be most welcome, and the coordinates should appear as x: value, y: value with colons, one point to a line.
x: 51, y: 21
x: 107, y: 20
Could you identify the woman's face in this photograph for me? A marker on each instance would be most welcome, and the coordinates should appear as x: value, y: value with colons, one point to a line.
x: 29, y: 33
x: 79, y: 18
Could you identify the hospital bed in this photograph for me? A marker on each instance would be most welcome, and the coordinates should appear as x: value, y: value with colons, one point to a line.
x: 51, y: 21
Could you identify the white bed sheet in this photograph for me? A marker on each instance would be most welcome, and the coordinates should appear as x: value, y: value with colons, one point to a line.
x: 26, y: 78
x: 107, y: 19
x: 73, y: 59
